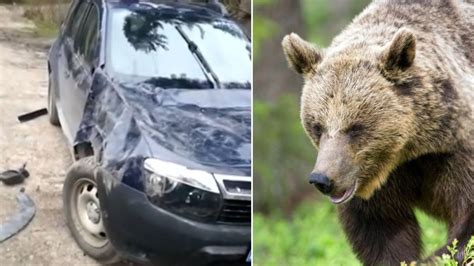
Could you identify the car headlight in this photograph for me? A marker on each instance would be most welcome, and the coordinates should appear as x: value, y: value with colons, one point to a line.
x: 190, y: 193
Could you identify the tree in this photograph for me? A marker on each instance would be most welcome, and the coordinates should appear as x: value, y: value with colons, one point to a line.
x: 271, y: 74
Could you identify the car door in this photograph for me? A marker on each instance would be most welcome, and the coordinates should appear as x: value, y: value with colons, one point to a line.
x: 66, y: 68
x: 56, y: 56
x: 82, y: 47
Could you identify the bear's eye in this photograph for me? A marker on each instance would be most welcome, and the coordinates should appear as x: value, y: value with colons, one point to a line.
x: 355, y: 129
x: 317, y: 130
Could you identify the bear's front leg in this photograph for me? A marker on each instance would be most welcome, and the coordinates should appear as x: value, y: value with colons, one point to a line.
x: 381, y: 232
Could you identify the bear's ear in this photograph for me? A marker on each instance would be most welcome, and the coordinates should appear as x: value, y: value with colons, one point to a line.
x: 301, y: 55
x: 400, y: 53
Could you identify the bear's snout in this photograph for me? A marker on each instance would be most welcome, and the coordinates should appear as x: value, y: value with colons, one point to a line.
x: 334, y: 160
x: 321, y: 182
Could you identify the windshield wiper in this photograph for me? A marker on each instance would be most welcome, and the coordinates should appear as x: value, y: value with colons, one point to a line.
x: 200, y: 58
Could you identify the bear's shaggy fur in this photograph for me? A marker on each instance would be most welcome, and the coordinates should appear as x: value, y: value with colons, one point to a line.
x: 389, y: 105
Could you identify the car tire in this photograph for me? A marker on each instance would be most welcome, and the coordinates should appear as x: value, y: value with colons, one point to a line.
x: 52, y: 110
x: 82, y: 210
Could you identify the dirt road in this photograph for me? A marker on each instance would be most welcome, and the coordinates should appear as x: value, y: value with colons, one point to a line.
x: 23, y: 88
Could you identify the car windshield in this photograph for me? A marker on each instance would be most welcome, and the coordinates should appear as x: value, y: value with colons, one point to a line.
x: 176, y: 49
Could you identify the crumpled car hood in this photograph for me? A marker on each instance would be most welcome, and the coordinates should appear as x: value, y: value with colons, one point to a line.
x: 211, y: 127
x: 207, y: 129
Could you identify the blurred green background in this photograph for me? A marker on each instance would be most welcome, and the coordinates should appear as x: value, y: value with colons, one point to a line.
x: 293, y: 224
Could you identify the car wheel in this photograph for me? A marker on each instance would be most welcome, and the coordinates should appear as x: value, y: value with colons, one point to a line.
x: 83, y: 213
x: 52, y: 110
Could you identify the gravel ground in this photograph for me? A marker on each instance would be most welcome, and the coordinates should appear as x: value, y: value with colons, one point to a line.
x: 23, y: 88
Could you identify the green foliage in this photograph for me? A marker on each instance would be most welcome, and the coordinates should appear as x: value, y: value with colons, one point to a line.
x: 262, y: 29
x: 449, y: 259
x: 263, y: 2
x: 316, y: 14
x: 434, y: 233
x: 283, y: 155
x: 469, y: 251
x: 314, y: 237
x: 325, y: 18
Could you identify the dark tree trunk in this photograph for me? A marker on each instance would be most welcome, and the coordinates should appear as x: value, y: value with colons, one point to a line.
x: 271, y: 74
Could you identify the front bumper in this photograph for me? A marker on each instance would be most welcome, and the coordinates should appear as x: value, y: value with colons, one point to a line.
x: 145, y: 233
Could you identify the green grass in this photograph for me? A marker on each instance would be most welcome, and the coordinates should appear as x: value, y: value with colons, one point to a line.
x: 314, y: 237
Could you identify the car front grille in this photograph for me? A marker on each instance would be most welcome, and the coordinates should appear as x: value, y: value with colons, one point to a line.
x: 235, y: 212
x: 238, y: 187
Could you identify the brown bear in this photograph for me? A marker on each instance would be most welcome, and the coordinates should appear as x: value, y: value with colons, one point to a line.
x: 389, y: 107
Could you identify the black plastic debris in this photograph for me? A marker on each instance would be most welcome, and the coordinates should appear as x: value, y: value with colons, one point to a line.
x: 32, y: 115
x: 14, y: 177
x: 19, y: 220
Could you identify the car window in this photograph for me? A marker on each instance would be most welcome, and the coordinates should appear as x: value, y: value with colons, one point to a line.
x: 88, y: 43
x: 143, y: 58
x: 147, y: 43
x: 76, y: 18
x: 67, y: 19
x: 80, y: 35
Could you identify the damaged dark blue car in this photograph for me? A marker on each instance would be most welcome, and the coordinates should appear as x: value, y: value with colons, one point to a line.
x: 154, y: 98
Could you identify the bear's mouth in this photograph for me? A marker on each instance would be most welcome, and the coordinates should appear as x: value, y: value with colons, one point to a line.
x: 343, y: 196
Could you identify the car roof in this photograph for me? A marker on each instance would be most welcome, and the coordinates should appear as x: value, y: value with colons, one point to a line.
x: 203, y: 9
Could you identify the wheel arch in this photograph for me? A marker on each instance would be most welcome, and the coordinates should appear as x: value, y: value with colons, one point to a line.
x: 82, y: 150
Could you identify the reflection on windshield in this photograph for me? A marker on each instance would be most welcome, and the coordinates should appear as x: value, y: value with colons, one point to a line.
x: 146, y: 43
x: 141, y: 31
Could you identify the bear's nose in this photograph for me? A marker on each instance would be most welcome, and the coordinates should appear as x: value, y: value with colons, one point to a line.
x: 321, y: 182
